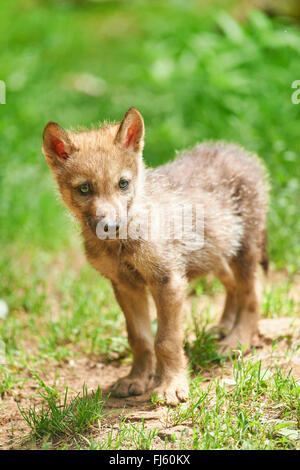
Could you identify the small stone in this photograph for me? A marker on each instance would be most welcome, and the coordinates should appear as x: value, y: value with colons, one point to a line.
x: 291, y: 434
x: 176, y: 432
x: 228, y: 382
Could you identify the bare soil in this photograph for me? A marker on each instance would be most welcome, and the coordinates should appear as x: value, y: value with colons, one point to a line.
x: 14, y: 432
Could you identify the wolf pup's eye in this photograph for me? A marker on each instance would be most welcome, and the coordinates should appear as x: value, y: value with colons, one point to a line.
x: 85, y: 188
x: 123, y: 184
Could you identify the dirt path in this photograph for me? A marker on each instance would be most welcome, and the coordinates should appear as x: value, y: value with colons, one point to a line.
x: 75, y: 373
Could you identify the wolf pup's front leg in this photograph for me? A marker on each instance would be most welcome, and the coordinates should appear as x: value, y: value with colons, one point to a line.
x: 134, y: 302
x: 171, y: 378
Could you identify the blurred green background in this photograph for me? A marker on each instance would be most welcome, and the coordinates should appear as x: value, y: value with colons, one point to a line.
x: 220, y: 71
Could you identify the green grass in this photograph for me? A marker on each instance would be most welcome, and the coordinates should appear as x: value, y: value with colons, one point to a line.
x: 277, y: 301
x: 202, y: 351
x: 67, y: 418
x: 127, y: 436
x: 257, y: 409
x: 249, y: 413
x: 73, y: 312
x: 6, y: 381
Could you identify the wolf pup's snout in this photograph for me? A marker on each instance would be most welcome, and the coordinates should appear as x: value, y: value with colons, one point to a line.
x: 107, y: 228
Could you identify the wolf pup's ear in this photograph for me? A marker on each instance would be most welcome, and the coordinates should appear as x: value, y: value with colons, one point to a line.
x: 131, y: 131
x: 57, y: 146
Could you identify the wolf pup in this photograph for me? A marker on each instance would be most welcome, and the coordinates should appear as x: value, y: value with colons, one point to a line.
x: 104, y: 182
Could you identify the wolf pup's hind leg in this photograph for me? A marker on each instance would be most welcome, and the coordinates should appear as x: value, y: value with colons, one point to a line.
x: 246, y: 321
x: 227, y: 320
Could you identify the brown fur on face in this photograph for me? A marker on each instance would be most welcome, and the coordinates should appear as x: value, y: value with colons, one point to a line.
x: 230, y: 185
x: 99, y: 158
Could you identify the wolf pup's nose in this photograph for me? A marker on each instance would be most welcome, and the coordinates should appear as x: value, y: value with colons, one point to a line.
x: 110, y: 227
x: 107, y: 229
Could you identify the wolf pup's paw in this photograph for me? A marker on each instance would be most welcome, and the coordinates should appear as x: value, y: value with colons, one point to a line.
x: 128, y: 386
x: 172, y: 392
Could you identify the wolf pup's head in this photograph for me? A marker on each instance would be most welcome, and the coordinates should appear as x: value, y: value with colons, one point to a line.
x: 99, y: 172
